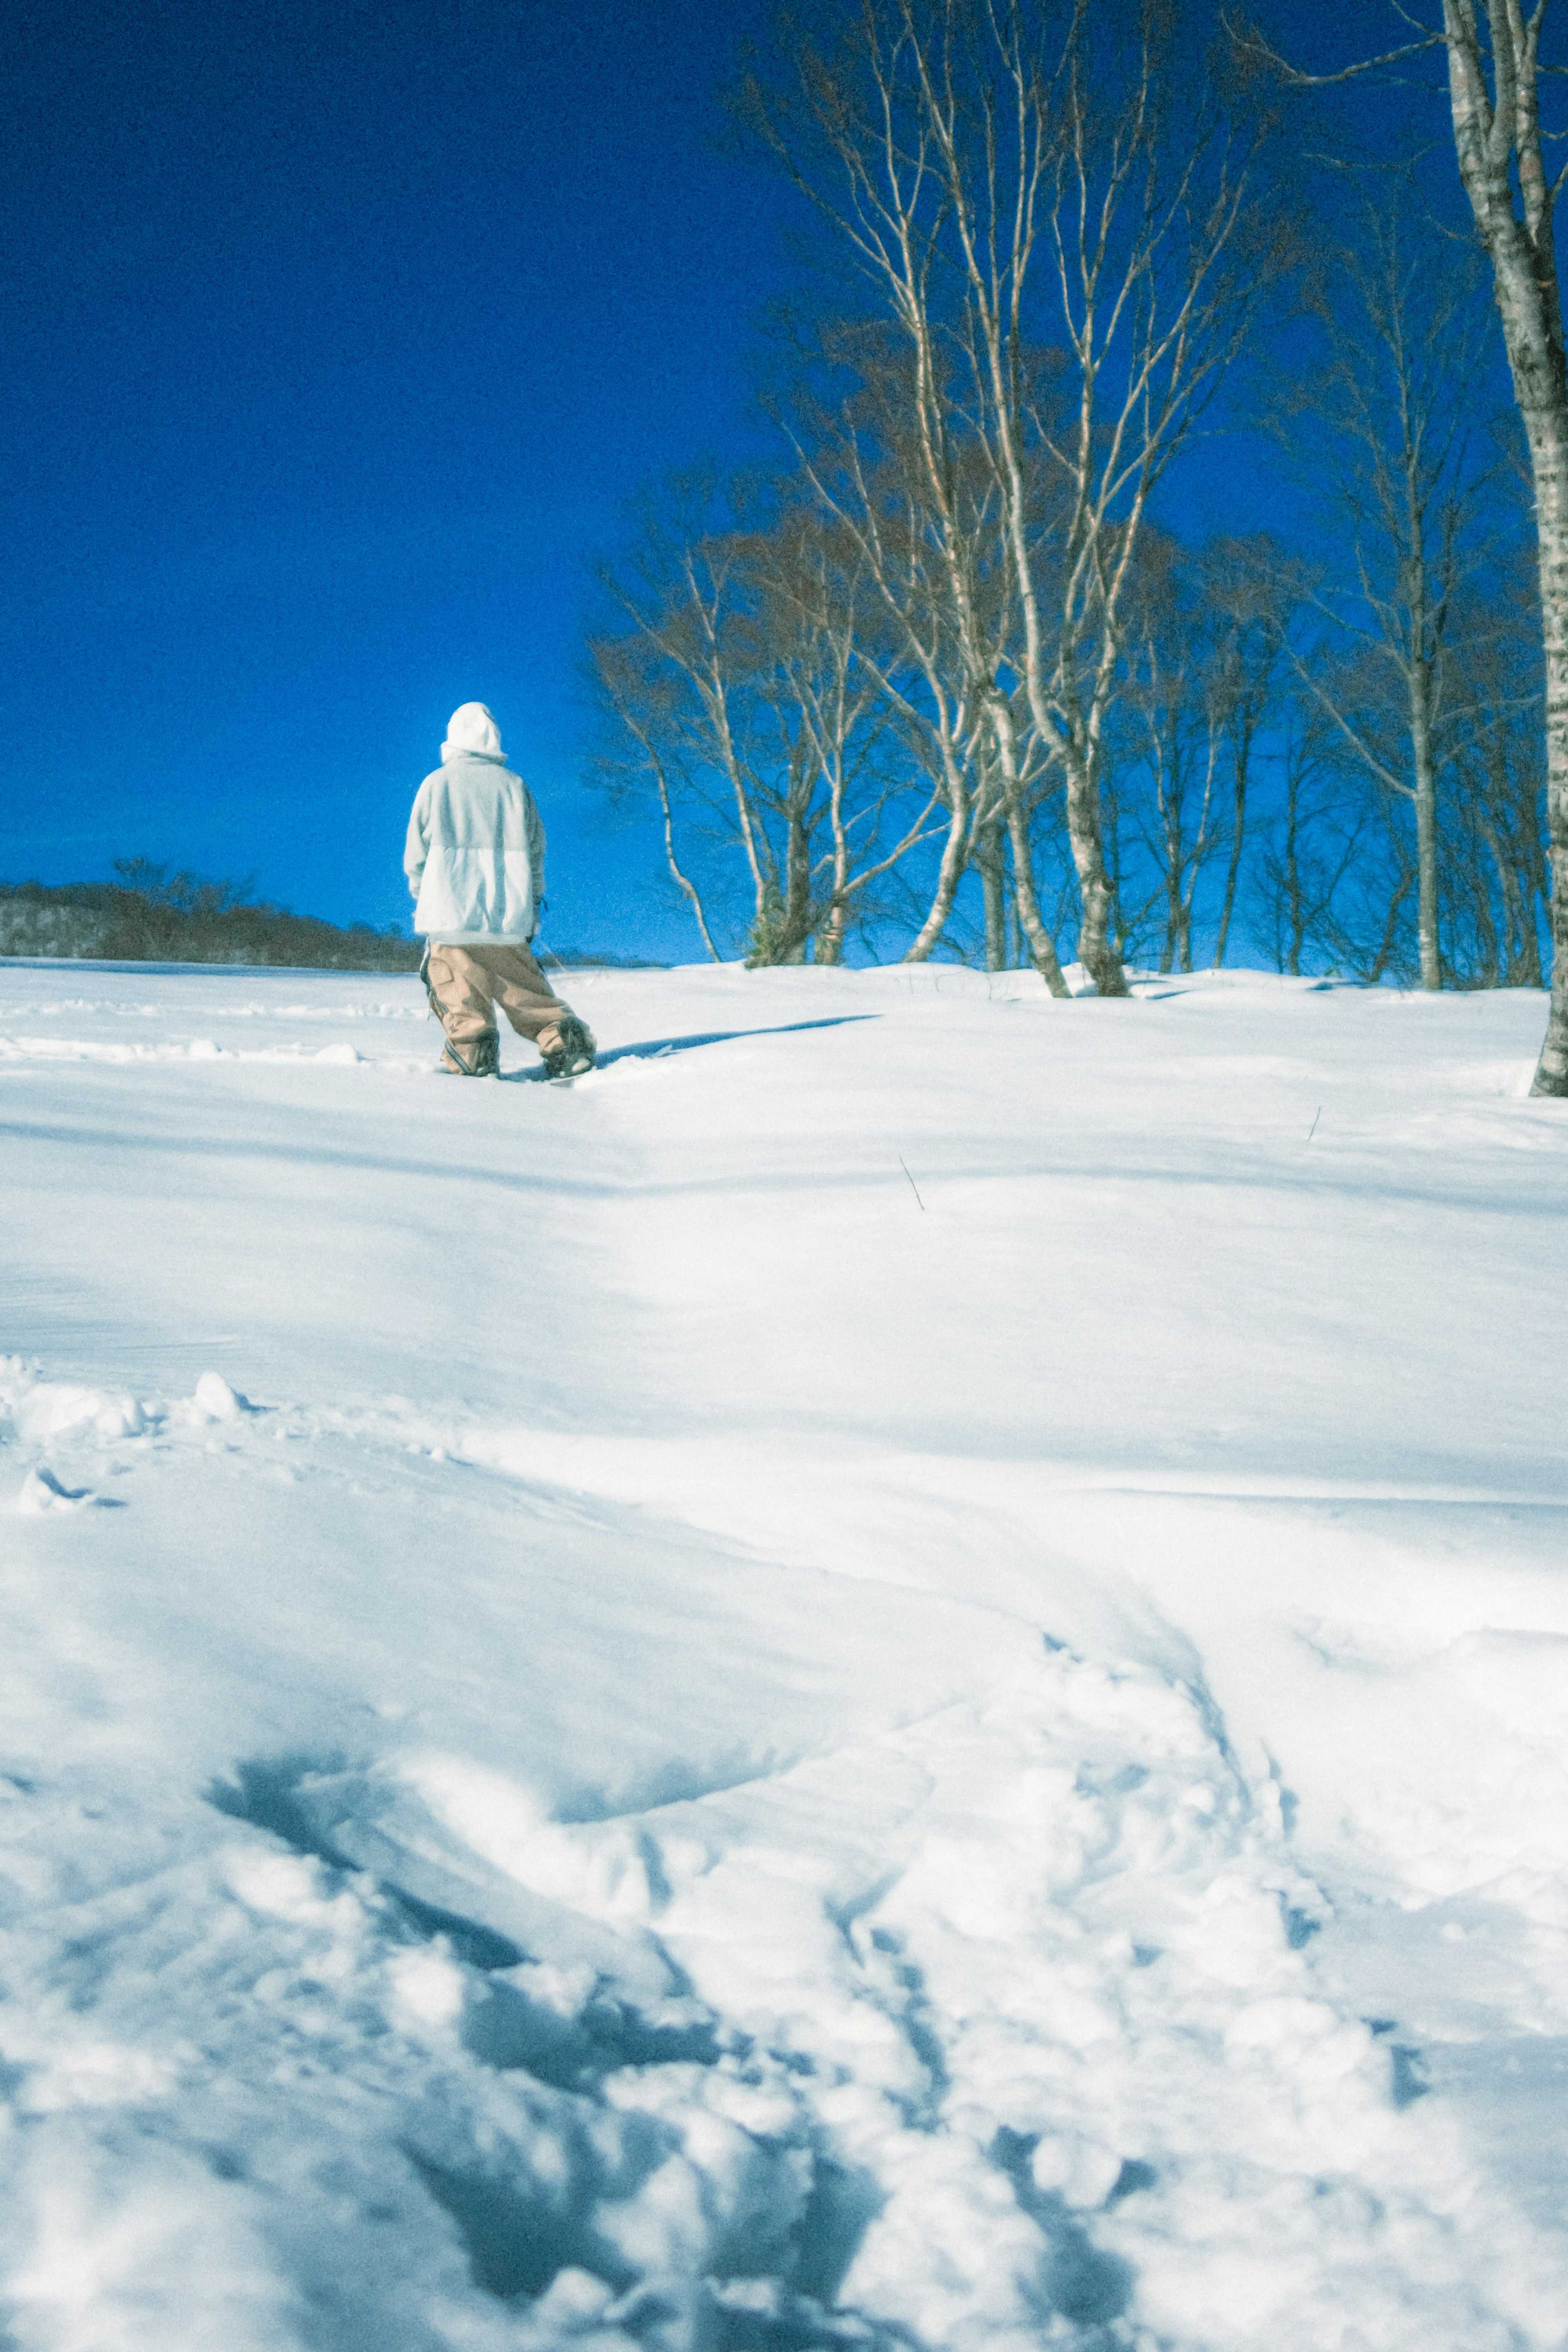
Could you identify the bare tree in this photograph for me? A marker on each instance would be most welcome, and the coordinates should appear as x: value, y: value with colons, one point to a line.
x: 1178, y: 695
x: 1243, y: 617
x: 1009, y: 182
x: 1492, y: 49
x: 901, y: 486
x: 1494, y: 72
x: 1202, y: 655
x: 1385, y: 429
x: 1493, y: 868
x: 1311, y: 845
x: 644, y: 703
x: 828, y: 671
x: 758, y: 699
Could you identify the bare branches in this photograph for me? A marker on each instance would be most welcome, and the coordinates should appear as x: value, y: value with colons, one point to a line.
x: 768, y: 708
x: 1248, y: 42
x: 944, y: 665
x: 1069, y: 270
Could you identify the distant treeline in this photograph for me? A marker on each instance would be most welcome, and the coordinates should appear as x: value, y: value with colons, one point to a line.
x: 151, y: 916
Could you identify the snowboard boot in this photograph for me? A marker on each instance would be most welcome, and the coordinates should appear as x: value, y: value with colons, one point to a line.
x: 480, y: 1058
x: 574, y: 1053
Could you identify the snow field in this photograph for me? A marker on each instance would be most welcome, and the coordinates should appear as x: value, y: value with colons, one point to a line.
x: 893, y: 1678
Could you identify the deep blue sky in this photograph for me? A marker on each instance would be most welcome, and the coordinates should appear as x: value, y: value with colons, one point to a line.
x: 335, y: 338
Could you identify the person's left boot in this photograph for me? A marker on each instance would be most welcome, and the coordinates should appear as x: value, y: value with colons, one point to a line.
x: 480, y: 1058
x: 572, y: 1053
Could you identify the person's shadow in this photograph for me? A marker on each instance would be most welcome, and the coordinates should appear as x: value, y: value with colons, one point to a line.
x: 657, y: 1049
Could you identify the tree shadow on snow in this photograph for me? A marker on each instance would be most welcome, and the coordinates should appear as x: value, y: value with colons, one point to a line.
x: 657, y: 1049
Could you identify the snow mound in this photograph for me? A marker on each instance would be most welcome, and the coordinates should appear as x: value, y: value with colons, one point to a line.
x: 215, y: 1401
x: 41, y: 1491
x: 57, y: 1409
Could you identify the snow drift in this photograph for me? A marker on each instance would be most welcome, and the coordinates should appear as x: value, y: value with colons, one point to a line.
x: 896, y: 1675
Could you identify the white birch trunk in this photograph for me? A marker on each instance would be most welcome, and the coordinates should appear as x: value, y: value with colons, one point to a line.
x: 1494, y: 132
x: 1042, y: 947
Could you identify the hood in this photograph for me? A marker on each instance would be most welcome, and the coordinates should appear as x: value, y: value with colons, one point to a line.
x: 471, y: 728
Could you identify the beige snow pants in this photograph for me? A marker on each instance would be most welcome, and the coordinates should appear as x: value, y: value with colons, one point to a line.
x: 466, y: 985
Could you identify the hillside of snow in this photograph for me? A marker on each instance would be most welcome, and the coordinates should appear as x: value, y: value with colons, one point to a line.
x: 895, y: 1676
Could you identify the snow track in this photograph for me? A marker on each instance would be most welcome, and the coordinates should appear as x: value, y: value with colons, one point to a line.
x: 612, y: 1735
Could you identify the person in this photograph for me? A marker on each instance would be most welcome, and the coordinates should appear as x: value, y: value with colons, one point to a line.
x: 475, y: 863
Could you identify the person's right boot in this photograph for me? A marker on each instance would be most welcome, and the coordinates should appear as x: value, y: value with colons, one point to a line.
x: 574, y: 1051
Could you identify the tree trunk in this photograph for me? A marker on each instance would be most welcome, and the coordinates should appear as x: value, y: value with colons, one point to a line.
x: 1172, y: 892
x: 988, y: 859
x: 798, y: 911
x: 1535, y: 884
x: 1227, y: 906
x: 1425, y: 799
x: 954, y: 857
x: 1095, y: 951
x: 1506, y: 821
x: 1042, y: 947
x: 1548, y: 435
x: 1390, y: 930
x: 1490, y: 143
x: 1242, y: 733
x: 1293, y: 879
x: 1423, y: 759
x: 1015, y: 952
x: 1492, y: 960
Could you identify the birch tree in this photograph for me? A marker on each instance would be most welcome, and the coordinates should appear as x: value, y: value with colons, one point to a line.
x: 1495, y: 72
x: 1010, y: 181
x: 1243, y: 617
x: 1386, y: 431
x: 1494, y: 872
x: 1200, y: 694
x: 755, y: 689
x: 1494, y: 85
x: 892, y: 464
x: 1176, y: 691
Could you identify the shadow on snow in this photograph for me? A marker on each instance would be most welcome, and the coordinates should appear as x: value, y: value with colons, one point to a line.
x: 657, y: 1049
x: 519, y: 2230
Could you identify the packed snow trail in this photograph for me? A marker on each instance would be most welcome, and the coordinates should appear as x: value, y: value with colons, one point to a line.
x: 893, y: 1675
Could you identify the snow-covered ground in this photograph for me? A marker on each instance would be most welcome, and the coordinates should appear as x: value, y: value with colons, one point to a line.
x: 895, y: 1676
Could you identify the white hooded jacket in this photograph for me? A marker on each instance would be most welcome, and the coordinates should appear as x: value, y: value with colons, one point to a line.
x: 475, y: 853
